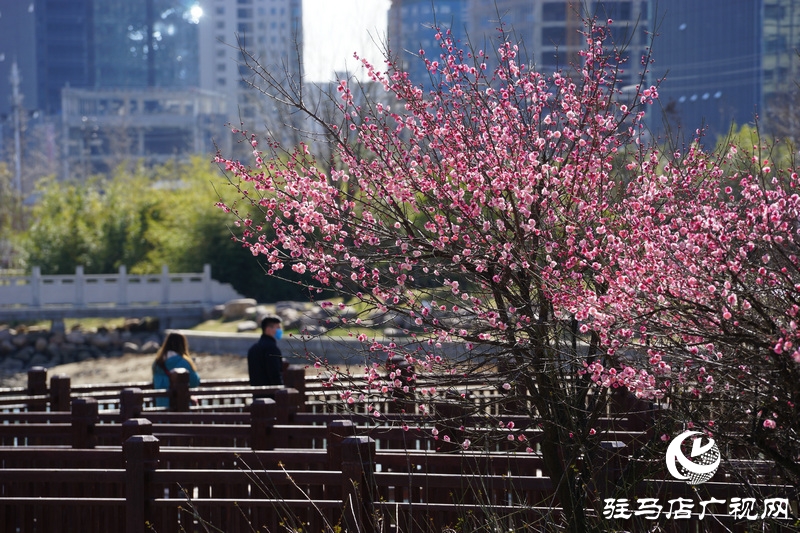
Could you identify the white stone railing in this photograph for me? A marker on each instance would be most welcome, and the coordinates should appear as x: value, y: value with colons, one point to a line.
x: 120, y: 290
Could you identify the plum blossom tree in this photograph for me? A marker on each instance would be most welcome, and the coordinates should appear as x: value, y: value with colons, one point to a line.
x: 711, y: 293
x: 522, y: 215
x: 468, y: 211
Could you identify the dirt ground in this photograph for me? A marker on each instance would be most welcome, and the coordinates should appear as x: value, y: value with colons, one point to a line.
x: 133, y: 368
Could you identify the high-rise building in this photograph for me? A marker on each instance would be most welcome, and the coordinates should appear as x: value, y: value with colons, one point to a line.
x: 723, y: 66
x: 271, y: 31
x: 549, y: 33
x: 710, y: 58
x: 145, y: 43
x: 410, y: 30
x: 17, y: 44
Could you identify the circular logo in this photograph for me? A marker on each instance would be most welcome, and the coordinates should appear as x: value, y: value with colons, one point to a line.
x: 702, y: 463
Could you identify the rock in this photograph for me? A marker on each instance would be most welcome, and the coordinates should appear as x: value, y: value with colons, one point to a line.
x: 100, y: 340
x: 76, y: 336
x: 313, y: 330
x: 247, y: 325
x: 40, y: 345
x: 236, y: 309
x: 20, y: 340
x: 24, y: 354
x: 83, y: 355
x: 9, y: 365
x: 130, y: 347
x: 297, y: 306
x: 38, y: 359
x: 53, y: 349
x: 6, y: 334
x: 150, y: 347
x: 6, y: 346
x: 393, y: 332
x: 291, y: 318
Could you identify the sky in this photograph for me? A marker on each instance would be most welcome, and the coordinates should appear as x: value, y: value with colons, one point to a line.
x: 334, y: 29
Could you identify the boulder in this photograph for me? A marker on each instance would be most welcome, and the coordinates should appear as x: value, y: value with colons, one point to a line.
x: 40, y: 345
x: 38, y: 359
x: 10, y: 365
x: 24, y: 354
x: 100, y: 340
x: 291, y: 318
x: 297, y: 306
x: 130, y: 347
x: 150, y: 347
x: 237, y: 309
x: 20, y: 340
x: 76, y: 336
x: 247, y: 325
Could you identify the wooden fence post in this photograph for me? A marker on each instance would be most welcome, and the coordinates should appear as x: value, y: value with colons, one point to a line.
x: 84, y: 419
x: 141, y: 460
x: 338, y: 430
x: 136, y: 426
x: 179, y: 397
x: 60, y: 392
x: 449, y: 421
x: 131, y: 403
x: 294, y: 377
x: 262, y: 419
x: 37, y: 386
x: 358, y: 483
x: 286, y: 401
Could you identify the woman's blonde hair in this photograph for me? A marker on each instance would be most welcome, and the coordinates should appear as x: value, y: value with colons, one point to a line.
x: 175, y: 342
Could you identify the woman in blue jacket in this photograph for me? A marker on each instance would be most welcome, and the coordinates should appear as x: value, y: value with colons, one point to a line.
x: 174, y: 353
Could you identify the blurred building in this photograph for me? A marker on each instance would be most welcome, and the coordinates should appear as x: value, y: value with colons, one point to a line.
x: 410, y: 30
x: 272, y: 32
x: 547, y: 32
x: 104, y: 127
x: 723, y: 66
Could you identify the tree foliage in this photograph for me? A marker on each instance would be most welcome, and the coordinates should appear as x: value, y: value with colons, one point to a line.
x: 144, y: 219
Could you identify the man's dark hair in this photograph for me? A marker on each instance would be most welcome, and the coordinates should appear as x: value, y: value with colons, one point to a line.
x: 267, y: 320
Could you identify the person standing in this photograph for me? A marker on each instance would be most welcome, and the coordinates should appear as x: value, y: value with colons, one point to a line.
x: 174, y: 353
x: 264, y: 362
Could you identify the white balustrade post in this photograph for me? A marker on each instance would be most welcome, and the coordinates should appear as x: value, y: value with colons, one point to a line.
x: 80, y: 298
x: 122, y: 286
x: 164, y: 285
x: 36, y: 286
x: 207, y: 296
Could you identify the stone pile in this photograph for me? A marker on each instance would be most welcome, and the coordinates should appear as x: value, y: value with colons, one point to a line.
x: 26, y: 347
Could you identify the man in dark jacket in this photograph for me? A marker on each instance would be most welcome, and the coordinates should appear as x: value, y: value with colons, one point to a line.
x: 264, y: 363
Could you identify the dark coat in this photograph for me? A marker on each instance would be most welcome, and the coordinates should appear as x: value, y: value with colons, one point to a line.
x: 264, y: 363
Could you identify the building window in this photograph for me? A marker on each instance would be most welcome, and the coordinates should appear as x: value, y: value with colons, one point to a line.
x: 554, y: 11
x: 244, y: 13
x: 222, y: 81
x: 556, y: 36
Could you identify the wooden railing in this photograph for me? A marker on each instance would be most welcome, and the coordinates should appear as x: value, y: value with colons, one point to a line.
x: 273, y: 459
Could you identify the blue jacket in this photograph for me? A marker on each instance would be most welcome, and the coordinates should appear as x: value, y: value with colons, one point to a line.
x: 161, y: 378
